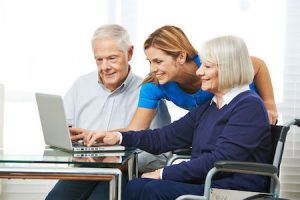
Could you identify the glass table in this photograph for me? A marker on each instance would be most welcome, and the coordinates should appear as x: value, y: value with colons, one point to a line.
x: 50, y: 163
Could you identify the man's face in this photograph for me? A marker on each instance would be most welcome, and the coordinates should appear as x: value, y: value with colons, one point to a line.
x: 112, y: 62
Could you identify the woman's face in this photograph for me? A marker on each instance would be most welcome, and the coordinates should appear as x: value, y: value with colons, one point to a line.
x: 162, y: 66
x: 208, y: 72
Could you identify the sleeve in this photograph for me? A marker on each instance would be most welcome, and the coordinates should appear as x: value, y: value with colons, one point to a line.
x: 242, y: 139
x: 204, y: 97
x: 253, y: 87
x: 179, y: 134
x: 150, y: 95
x: 69, y: 105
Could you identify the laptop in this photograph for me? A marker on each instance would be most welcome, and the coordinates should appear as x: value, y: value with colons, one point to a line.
x: 55, y: 128
x: 94, y: 156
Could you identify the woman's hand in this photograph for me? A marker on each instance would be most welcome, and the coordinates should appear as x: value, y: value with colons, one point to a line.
x: 273, y: 116
x: 105, y: 137
x: 154, y: 175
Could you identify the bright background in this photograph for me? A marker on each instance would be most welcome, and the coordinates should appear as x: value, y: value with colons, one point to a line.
x: 45, y: 45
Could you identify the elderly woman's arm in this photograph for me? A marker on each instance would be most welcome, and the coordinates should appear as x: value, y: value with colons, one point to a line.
x: 244, y: 137
x: 263, y: 83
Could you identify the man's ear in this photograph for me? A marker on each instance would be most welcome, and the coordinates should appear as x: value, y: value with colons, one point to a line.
x: 130, y: 52
x: 181, y: 58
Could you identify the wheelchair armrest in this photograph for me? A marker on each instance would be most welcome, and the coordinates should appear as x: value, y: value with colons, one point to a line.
x: 246, y: 166
x: 180, y: 154
x: 183, y: 152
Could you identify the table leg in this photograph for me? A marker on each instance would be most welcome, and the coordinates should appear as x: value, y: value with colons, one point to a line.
x: 113, y: 175
x: 115, y: 186
x: 132, y: 167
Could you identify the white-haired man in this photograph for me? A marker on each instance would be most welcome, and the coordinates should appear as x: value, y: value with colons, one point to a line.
x: 106, y: 99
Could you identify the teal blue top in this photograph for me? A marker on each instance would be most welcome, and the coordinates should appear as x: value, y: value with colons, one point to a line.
x: 151, y: 94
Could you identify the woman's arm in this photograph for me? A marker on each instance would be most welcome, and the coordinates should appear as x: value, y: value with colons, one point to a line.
x: 142, y: 119
x: 179, y: 134
x: 263, y: 83
x: 149, y: 102
x: 243, y: 136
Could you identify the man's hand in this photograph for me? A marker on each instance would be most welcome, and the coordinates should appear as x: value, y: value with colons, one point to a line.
x: 154, y: 175
x: 108, y: 138
x: 78, y: 133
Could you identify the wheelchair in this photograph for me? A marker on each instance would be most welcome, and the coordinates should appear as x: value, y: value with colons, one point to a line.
x: 271, y: 170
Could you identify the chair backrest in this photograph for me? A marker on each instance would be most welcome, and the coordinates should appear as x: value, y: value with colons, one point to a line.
x: 279, y: 134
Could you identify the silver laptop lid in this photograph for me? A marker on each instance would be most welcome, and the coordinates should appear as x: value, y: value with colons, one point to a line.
x: 55, y: 127
x: 53, y: 120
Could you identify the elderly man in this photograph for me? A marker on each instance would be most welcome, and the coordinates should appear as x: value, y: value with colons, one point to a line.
x: 106, y: 99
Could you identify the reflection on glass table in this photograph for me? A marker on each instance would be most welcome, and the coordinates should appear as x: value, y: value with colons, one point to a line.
x: 50, y: 163
x: 57, y: 156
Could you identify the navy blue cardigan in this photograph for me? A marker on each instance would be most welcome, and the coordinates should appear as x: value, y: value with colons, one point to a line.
x: 238, y: 131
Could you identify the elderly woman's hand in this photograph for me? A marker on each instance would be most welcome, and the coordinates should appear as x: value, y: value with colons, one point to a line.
x: 108, y: 138
x: 154, y: 175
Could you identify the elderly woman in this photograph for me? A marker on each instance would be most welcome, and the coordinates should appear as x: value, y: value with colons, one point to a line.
x: 234, y: 125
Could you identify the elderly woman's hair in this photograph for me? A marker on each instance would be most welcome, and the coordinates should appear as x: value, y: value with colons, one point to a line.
x: 114, y: 32
x: 231, y: 55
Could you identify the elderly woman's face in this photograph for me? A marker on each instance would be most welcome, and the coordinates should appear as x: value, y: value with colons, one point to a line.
x: 208, y: 72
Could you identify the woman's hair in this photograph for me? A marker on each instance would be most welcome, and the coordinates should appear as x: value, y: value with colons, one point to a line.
x: 172, y: 41
x: 231, y: 55
x: 114, y: 32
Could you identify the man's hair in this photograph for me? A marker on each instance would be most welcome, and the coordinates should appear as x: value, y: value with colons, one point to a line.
x: 114, y: 32
x: 231, y: 55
